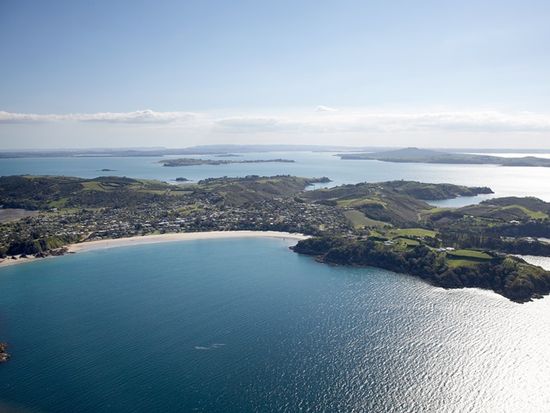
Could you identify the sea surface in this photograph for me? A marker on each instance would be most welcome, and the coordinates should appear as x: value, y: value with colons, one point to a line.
x: 505, y: 181
x: 246, y: 325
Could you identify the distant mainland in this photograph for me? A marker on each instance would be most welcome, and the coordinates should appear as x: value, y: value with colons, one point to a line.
x: 235, y: 150
x: 416, y: 155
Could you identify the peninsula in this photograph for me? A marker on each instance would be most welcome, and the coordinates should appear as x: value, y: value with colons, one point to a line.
x: 388, y: 224
x: 416, y: 155
x: 195, y: 161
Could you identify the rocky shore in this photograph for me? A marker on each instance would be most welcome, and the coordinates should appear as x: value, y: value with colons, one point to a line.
x: 4, y: 355
x: 21, y: 258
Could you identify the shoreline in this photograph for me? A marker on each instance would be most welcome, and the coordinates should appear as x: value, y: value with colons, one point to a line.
x: 156, y: 239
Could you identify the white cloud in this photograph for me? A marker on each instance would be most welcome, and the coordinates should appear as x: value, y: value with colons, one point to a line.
x: 140, y: 116
x: 387, y: 122
x: 248, y: 122
x: 322, y: 108
x: 341, y: 121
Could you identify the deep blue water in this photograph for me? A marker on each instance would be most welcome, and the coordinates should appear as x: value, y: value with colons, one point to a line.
x: 255, y: 327
x: 505, y: 181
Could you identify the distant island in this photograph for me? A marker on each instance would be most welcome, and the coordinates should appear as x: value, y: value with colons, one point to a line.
x: 387, y: 224
x: 194, y: 161
x: 181, y: 179
x: 416, y: 155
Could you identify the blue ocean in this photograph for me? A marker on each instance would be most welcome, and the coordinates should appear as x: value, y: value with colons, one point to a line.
x: 246, y: 325
x: 255, y: 327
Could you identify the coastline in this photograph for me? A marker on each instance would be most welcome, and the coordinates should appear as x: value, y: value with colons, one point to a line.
x: 160, y: 238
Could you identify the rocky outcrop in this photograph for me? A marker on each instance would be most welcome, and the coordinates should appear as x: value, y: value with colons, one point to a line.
x: 4, y: 355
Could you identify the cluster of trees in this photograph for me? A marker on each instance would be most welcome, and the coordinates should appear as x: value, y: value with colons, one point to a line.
x: 35, y: 246
x: 123, y: 198
x: 494, y: 239
x: 36, y: 192
x: 539, y: 228
x: 430, y: 192
x: 40, y: 193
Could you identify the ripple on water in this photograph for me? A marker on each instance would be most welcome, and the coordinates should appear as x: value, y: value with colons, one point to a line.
x: 169, y: 328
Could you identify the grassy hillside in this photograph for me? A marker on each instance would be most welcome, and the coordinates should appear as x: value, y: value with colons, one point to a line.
x: 240, y: 191
x: 395, y: 202
x: 46, y: 192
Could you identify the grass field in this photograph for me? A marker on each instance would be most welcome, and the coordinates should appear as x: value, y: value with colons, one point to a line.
x: 530, y: 213
x: 413, y: 232
x: 407, y: 242
x: 469, y: 255
x: 357, y: 202
x: 454, y: 263
x: 359, y: 220
x: 466, y: 258
x: 93, y: 186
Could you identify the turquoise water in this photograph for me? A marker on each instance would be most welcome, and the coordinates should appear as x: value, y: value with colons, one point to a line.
x: 255, y: 327
x: 505, y: 181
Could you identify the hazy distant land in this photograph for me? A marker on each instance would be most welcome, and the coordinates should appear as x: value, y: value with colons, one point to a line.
x: 222, y: 150
x: 354, y: 152
x: 195, y: 161
x: 416, y: 155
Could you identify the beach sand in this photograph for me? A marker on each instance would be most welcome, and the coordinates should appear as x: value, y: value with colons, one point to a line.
x: 154, y: 239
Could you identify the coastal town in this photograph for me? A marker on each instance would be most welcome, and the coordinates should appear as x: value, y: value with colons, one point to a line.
x: 197, y: 209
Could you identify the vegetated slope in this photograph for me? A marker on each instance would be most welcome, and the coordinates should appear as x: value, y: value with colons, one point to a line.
x: 240, y: 191
x: 394, y: 202
x: 509, y: 225
x: 45, y: 192
x: 509, y: 276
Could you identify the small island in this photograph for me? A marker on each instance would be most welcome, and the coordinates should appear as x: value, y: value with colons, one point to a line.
x: 4, y: 355
x: 181, y: 179
x: 416, y: 155
x: 194, y: 161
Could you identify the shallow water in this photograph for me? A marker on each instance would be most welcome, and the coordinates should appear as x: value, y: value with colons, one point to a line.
x: 246, y: 325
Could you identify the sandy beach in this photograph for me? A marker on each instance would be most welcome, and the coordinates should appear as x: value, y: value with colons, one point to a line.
x: 154, y: 239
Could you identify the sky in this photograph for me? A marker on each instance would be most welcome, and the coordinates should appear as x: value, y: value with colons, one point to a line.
x: 136, y: 73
